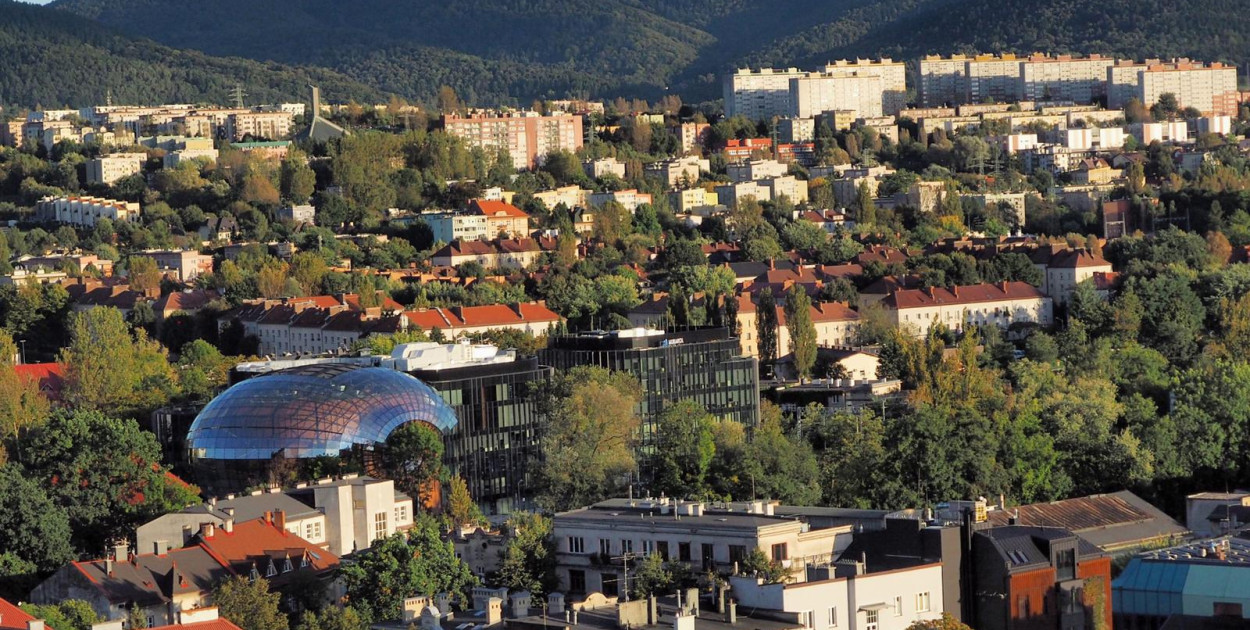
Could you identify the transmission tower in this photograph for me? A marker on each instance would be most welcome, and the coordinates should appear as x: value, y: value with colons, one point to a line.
x: 237, y: 94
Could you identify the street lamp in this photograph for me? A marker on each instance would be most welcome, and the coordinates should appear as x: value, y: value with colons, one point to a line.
x: 23, y: 342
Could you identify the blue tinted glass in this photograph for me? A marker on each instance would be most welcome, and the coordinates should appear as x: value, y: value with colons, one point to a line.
x: 313, y: 410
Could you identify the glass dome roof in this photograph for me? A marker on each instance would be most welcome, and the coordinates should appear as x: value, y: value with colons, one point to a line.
x: 313, y: 410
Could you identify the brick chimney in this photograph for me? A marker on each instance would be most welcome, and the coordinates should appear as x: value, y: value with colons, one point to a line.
x: 268, y: 517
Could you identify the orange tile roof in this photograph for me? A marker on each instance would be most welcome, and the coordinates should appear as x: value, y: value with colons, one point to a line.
x: 14, y: 618
x: 481, y: 316
x: 220, y: 623
x: 50, y: 376
x: 258, y: 543
x: 496, y: 209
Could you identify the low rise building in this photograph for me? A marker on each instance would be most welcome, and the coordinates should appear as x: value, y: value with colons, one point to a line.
x: 604, y: 166
x: 1011, y: 306
x: 1062, y: 270
x: 732, y: 194
x: 835, y: 324
x: 752, y: 170
x: 298, y: 214
x: 502, y: 219
x: 85, y: 211
x: 629, y: 199
x: 678, y: 172
x: 591, y: 541
x: 180, y: 265
x: 108, y: 169
x: 450, y: 227
x: 1196, y: 585
x: 571, y: 196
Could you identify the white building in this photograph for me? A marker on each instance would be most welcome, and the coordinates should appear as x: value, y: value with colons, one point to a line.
x: 731, y: 194
x: 760, y: 94
x: 174, y: 158
x: 676, y: 171
x: 604, y: 166
x: 448, y: 227
x: 630, y: 199
x: 110, y: 168
x: 1007, y: 305
x: 303, y: 213
x: 847, y: 598
x: 85, y: 211
x: 751, y: 170
x: 815, y: 94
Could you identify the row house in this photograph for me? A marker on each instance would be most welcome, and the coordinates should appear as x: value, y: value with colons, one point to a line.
x: 835, y: 324
x: 85, y: 211
x: 508, y: 253
x: 316, y: 324
x: 1008, y: 305
x: 533, y: 318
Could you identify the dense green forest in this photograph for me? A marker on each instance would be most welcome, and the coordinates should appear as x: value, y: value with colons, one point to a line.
x: 515, y: 50
x: 53, y: 58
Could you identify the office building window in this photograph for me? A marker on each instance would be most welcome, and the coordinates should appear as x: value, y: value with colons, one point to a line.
x: 379, y: 525
x: 922, y: 602
x: 577, y: 581
x: 605, y: 547
x: 833, y: 616
x: 779, y: 552
x: 577, y: 544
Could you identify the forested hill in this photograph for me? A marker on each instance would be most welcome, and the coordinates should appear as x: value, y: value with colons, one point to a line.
x: 53, y: 58
x: 516, y: 50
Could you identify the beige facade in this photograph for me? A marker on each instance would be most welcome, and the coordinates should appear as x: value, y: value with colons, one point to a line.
x: 1004, y: 305
x: 527, y: 136
x: 790, y: 187
x: 694, y: 201
x: 759, y: 94
x: 676, y: 171
x: 1065, y: 78
x: 995, y: 78
x: 893, y: 79
x: 270, y: 125
x: 835, y: 326
x: 571, y: 196
x: 109, y: 169
x: 943, y: 80
x: 854, y: 91
x: 605, y: 166
x: 1209, y: 88
x: 731, y: 194
x: 752, y: 170
x: 630, y: 199
x: 86, y: 211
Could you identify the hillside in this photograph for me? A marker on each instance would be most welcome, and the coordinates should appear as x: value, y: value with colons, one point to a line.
x: 53, y: 58
x: 516, y: 50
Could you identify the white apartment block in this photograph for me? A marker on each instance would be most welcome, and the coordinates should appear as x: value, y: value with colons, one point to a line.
x: 995, y: 78
x: 791, y: 130
x: 703, y: 536
x: 751, y: 170
x: 759, y: 94
x: 527, y: 136
x: 1209, y: 88
x: 174, y: 158
x: 630, y: 199
x: 893, y: 79
x: 852, y: 91
x: 694, y: 201
x: 676, y: 171
x: 448, y: 227
x: 731, y: 194
x: 943, y: 80
x: 111, y: 168
x: 85, y: 211
x: 1176, y: 131
x: 604, y: 166
x: 571, y: 196
x: 1222, y: 125
x: 271, y: 125
x: 915, y: 311
x: 851, y: 599
x: 1065, y: 78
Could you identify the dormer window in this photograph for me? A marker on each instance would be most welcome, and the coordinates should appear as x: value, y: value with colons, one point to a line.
x: 255, y: 575
x: 286, y: 566
x: 272, y: 570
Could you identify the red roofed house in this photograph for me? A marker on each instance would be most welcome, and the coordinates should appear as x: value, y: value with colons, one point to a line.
x: 14, y: 618
x: 264, y: 547
x: 533, y: 318
x: 50, y: 376
x: 1068, y: 267
x: 501, y: 218
x: 199, y: 619
x: 1007, y: 305
x: 835, y: 324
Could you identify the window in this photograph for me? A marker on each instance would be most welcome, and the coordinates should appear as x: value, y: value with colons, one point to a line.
x: 1065, y: 564
x: 737, y: 553
x: 709, y: 556
x: 662, y: 548
x: 627, y: 545
x: 922, y: 602
x: 648, y: 547
x: 401, y: 513
x: 312, y: 531
x: 779, y: 552
x: 1022, y: 606
x: 609, y: 581
x: 577, y: 581
x: 286, y: 566
x: 898, y: 606
x: 577, y: 544
x: 683, y: 552
x: 379, y: 525
x: 870, y: 620
x: 272, y: 570
x: 605, y: 547
x: 833, y: 616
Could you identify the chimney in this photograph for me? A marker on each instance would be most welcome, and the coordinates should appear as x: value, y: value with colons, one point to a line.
x: 771, y: 264
x: 206, y: 530
x: 268, y: 517
x: 160, y: 547
x: 35, y: 624
x: 228, y: 525
x: 108, y: 566
x: 280, y: 520
x: 1002, y: 501
x: 121, y: 552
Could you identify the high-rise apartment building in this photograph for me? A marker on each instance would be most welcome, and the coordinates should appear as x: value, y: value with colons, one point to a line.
x: 814, y: 94
x: 760, y: 94
x: 943, y: 80
x: 995, y: 78
x: 527, y: 136
x: 893, y: 79
x: 1065, y: 78
x: 1209, y: 88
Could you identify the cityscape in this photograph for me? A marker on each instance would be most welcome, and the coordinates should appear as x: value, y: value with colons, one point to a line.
x: 889, y: 341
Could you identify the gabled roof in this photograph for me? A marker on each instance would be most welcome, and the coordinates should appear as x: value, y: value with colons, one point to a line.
x: 50, y: 376
x: 1077, y: 258
x: 1025, y: 548
x: 481, y: 316
x: 145, y: 579
x: 970, y: 294
x: 259, y: 543
x: 496, y: 209
x: 14, y: 618
x: 193, y: 300
x: 1109, y: 521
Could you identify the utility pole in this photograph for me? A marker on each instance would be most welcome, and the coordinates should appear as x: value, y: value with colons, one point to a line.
x: 625, y: 557
x: 237, y: 94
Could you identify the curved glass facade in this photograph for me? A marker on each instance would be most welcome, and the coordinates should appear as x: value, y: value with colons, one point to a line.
x: 313, y: 410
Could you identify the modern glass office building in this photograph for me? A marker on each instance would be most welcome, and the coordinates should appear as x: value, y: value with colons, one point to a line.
x: 704, y: 365
x: 305, y: 412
